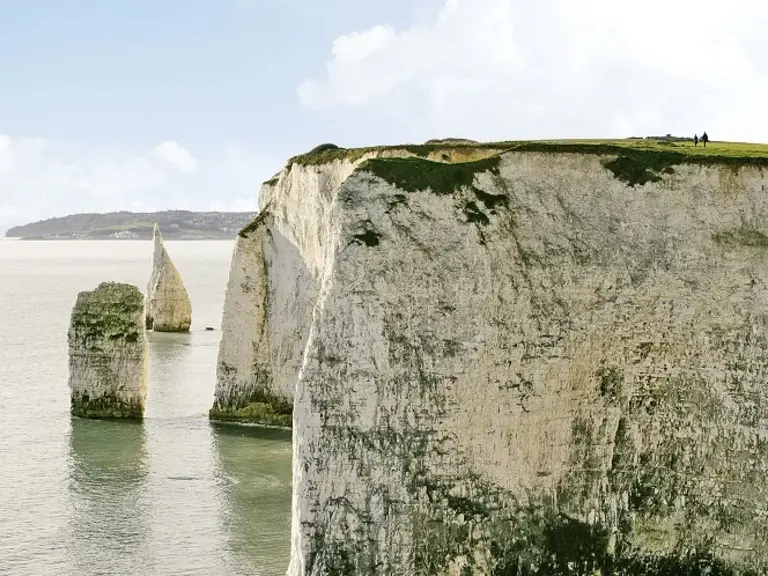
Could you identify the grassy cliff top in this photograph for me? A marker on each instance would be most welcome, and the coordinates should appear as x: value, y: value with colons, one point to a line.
x: 633, y: 161
x: 446, y: 164
x: 112, y: 310
x: 110, y: 298
x: 728, y: 152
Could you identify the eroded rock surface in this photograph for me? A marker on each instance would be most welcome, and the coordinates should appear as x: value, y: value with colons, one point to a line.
x: 169, y: 308
x: 108, y: 353
x: 266, y: 320
x: 550, y: 361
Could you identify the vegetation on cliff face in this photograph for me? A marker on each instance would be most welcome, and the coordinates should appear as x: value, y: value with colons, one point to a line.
x: 412, y: 174
x: 638, y: 162
x: 107, y: 312
x: 742, y: 237
x: 254, y: 224
x: 259, y: 407
x: 635, y: 161
x: 107, y: 407
x: 326, y: 155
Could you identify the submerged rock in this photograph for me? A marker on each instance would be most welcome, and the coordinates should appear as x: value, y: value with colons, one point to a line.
x: 169, y: 308
x: 108, y: 353
x: 546, y: 361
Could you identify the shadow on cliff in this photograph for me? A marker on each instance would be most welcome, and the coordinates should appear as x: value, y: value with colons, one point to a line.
x: 107, y: 476
x: 255, y: 469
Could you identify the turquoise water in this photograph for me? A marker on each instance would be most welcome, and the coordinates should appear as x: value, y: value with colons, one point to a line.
x: 172, y: 495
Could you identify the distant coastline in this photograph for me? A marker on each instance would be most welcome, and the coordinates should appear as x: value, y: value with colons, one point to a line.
x: 88, y: 239
x: 121, y: 226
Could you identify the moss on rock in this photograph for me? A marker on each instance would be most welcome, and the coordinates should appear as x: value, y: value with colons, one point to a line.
x: 107, y: 407
x: 261, y: 407
x: 108, y: 312
x: 255, y: 413
x: 742, y: 237
x: 414, y: 174
x: 107, y: 353
x: 635, y: 162
x: 254, y: 224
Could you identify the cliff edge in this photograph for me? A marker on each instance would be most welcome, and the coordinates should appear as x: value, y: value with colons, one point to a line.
x: 536, y: 358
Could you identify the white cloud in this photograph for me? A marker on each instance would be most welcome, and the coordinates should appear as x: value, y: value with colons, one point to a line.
x: 448, y: 53
x: 175, y: 155
x: 558, y: 68
x: 41, y: 179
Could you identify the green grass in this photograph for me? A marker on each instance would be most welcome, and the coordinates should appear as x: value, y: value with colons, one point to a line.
x: 638, y: 162
x: 260, y: 413
x: 737, y: 150
x: 128, y: 226
x: 411, y: 174
x: 254, y: 224
x: 635, y: 161
x: 354, y: 154
x: 740, y: 150
x: 743, y: 237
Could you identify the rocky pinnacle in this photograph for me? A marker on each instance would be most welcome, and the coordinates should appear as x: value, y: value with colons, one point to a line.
x: 168, y: 305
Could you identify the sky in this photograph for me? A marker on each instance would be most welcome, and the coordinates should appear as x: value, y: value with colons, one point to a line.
x: 190, y: 104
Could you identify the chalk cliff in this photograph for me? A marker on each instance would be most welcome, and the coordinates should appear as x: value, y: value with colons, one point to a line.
x: 260, y: 352
x: 169, y: 308
x: 108, y: 353
x: 548, y: 360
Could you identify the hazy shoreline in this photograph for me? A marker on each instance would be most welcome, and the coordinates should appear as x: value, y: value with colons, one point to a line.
x: 171, y: 239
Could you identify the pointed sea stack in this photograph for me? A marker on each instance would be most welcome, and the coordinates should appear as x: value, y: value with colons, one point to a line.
x: 168, y: 306
x: 108, y: 353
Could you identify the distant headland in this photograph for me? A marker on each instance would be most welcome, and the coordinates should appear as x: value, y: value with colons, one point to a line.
x: 176, y: 225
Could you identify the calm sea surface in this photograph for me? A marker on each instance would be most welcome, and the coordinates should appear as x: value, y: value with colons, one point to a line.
x: 172, y: 495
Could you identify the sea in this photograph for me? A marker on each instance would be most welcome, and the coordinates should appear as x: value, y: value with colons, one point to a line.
x: 172, y: 495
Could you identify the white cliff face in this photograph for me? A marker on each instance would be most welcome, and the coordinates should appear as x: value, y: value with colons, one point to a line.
x: 522, y: 364
x: 108, y: 353
x: 169, y: 308
x: 251, y: 382
x: 273, y: 284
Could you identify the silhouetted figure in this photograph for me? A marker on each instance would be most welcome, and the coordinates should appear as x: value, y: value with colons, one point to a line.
x: 704, y: 139
x: 695, y: 139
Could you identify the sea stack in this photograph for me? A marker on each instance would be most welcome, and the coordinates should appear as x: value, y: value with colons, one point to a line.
x: 169, y: 308
x: 254, y: 384
x: 108, y: 353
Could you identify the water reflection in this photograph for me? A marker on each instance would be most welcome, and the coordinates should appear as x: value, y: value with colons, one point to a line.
x: 177, y: 384
x: 108, y: 475
x: 255, y: 466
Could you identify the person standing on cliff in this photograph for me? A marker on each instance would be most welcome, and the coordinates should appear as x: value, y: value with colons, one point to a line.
x: 695, y: 139
x: 704, y: 139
